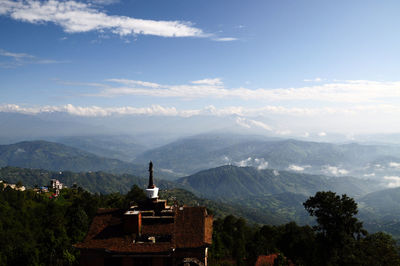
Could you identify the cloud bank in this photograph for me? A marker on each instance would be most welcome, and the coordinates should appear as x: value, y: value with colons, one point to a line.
x: 349, y: 92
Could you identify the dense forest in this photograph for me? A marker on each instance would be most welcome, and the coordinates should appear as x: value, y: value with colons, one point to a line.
x: 36, y: 229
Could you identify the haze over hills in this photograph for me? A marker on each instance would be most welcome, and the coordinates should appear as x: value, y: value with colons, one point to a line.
x: 59, y: 157
x: 124, y: 148
x: 233, y: 183
x: 278, y: 192
x: 282, y: 193
x: 189, y: 155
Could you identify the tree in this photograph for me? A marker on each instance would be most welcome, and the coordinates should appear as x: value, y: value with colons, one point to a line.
x: 379, y: 248
x: 136, y: 195
x: 19, y: 184
x: 338, y: 228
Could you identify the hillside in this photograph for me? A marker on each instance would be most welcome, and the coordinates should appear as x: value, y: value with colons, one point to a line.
x: 124, y: 148
x: 232, y: 182
x: 278, y: 193
x: 190, y: 155
x: 220, y: 209
x: 95, y: 182
x: 59, y: 157
x: 193, y: 154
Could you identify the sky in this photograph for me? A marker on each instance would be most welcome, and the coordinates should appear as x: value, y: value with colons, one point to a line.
x: 283, y: 66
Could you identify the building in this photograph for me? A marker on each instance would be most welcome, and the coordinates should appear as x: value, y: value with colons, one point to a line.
x: 56, y: 184
x: 149, y: 233
x: 13, y: 186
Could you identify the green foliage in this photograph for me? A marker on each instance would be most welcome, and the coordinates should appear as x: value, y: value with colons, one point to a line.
x: 338, y: 239
x: 233, y: 183
x: 37, y: 230
x: 335, y: 216
x: 95, y: 182
x: 135, y: 195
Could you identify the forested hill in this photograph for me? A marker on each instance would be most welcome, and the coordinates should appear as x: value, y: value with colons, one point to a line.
x: 95, y: 182
x: 232, y: 182
x: 58, y: 157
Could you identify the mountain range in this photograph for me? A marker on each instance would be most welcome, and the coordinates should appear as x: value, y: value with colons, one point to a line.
x: 59, y: 157
x: 264, y: 179
x: 189, y: 155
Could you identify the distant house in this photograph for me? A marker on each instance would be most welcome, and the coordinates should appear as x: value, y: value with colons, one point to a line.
x: 56, y: 184
x: 42, y: 190
x: 151, y: 233
x: 13, y: 186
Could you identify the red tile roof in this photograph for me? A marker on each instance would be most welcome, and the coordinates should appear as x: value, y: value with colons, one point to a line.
x: 266, y: 260
x: 190, y: 228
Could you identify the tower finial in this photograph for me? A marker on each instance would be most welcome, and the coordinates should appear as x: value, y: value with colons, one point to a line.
x: 151, y: 181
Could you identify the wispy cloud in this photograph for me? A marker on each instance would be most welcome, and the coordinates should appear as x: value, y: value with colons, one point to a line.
x: 95, y: 111
x: 136, y: 82
x: 13, y: 59
x: 74, y: 17
x: 298, y: 168
x: 225, y: 39
x: 211, y: 82
x: 259, y: 163
x: 16, y: 56
x: 334, y: 170
x: 104, y: 2
x: 394, y: 165
x: 351, y: 91
x: 250, y: 123
x: 314, y: 80
x: 394, y: 181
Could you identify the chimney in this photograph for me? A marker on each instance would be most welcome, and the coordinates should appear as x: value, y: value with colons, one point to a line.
x: 152, y: 190
x: 133, y: 222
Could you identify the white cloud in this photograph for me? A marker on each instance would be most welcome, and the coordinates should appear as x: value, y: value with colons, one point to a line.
x: 369, y: 175
x: 275, y: 172
x: 212, y: 82
x: 225, y: 39
x: 104, y: 2
x: 16, y: 56
x: 333, y: 170
x: 298, y: 168
x: 245, y: 162
x: 259, y: 163
x: 322, y: 134
x: 76, y: 17
x: 169, y: 171
x: 314, y: 80
x: 249, y: 123
x: 394, y: 165
x: 94, y: 111
x: 135, y: 82
x: 394, y: 181
x: 350, y: 92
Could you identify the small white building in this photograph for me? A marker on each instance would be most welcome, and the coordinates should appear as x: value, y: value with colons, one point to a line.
x: 56, y: 184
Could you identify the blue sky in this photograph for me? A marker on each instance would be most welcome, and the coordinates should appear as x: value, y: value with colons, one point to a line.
x: 312, y: 65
